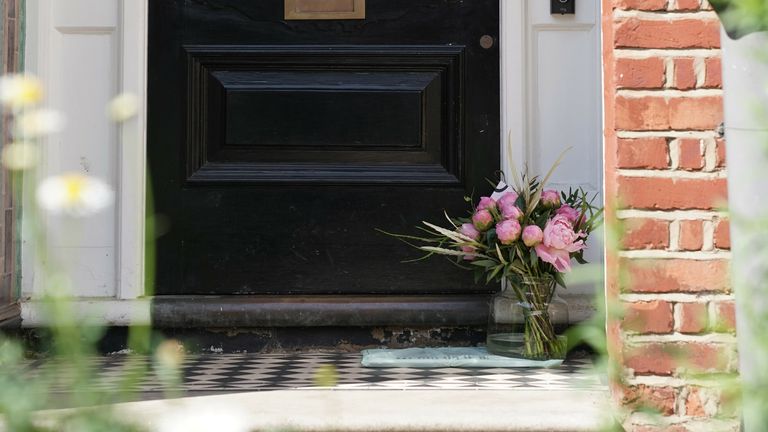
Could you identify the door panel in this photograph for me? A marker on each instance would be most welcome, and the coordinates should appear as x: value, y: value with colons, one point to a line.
x: 277, y: 147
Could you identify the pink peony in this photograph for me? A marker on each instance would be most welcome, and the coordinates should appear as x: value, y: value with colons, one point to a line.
x: 508, y: 231
x: 532, y: 235
x: 470, y: 231
x: 559, y: 241
x: 569, y: 212
x: 482, y: 220
x: 508, y: 199
x: 486, y: 203
x: 509, y: 211
x: 550, y: 198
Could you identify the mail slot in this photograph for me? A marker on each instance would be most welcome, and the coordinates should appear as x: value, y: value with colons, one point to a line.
x: 324, y: 9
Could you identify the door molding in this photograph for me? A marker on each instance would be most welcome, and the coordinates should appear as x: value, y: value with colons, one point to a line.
x: 132, y: 195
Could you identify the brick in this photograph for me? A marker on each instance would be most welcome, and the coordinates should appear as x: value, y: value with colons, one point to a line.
x: 672, y: 193
x: 648, y: 317
x: 642, y: 113
x: 701, y: 113
x: 679, y: 33
x: 702, y: 402
x: 720, y: 145
x: 723, y: 234
x: 692, y: 317
x: 685, y: 75
x: 646, y: 5
x: 725, y: 317
x: 691, y: 235
x: 640, y: 73
x: 687, y: 5
x: 648, y: 153
x: 675, y: 275
x: 668, y: 358
x: 644, y: 397
x: 660, y: 113
x: 713, y: 73
x: 691, y: 154
x: 641, y: 233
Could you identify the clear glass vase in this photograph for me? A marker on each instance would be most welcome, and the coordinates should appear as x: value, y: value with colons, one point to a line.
x: 520, y: 320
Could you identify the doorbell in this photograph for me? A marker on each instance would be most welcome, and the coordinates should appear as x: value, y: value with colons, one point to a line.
x: 563, y: 7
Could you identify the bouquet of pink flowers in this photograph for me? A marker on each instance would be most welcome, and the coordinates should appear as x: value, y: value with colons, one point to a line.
x: 520, y: 234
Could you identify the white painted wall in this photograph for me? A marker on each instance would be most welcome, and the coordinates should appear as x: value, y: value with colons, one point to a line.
x: 86, y: 51
x: 552, y: 100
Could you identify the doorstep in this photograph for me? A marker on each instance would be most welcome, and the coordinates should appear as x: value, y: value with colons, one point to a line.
x: 376, y: 410
x: 269, y: 391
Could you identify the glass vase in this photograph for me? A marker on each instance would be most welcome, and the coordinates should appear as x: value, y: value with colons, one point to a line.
x: 520, y: 320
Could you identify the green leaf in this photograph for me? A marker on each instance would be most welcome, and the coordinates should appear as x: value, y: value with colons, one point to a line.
x: 501, y: 256
x: 487, y: 263
x: 534, y: 258
x: 559, y: 279
x: 452, y: 252
x: 494, y: 273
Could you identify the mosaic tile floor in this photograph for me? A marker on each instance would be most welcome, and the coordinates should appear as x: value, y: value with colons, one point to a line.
x: 252, y: 372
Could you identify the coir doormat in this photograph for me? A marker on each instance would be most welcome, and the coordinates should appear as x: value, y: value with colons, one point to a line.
x: 447, y: 357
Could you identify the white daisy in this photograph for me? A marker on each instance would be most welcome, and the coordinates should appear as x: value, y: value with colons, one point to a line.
x: 20, y: 156
x: 38, y: 123
x: 74, y: 195
x: 123, y: 107
x: 18, y: 90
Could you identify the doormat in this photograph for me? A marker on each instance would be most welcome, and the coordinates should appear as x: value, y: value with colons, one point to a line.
x: 477, y: 357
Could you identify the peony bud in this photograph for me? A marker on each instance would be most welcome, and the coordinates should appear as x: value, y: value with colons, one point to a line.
x: 482, y: 220
x: 470, y: 231
x: 532, y: 235
x: 511, y: 212
x: 486, y: 203
x: 550, y: 198
x: 508, y: 199
x: 508, y: 231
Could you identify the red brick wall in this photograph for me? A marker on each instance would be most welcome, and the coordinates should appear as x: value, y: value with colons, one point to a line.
x: 665, y: 189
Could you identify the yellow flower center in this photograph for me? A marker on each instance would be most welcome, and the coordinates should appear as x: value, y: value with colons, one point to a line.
x: 73, y: 187
x: 30, y: 92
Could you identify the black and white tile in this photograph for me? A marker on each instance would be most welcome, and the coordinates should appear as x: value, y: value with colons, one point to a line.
x: 253, y: 372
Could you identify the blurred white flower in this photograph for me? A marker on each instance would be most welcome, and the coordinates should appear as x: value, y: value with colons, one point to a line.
x: 170, y: 354
x: 20, y: 156
x: 18, y: 90
x: 74, y: 195
x: 38, y: 123
x: 123, y: 107
x: 215, y: 416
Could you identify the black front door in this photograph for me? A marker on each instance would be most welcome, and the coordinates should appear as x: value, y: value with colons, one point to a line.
x: 277, y: 146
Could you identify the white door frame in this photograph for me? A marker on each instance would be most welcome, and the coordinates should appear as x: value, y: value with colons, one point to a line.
x: 133, y: 156
x: 133, y: 164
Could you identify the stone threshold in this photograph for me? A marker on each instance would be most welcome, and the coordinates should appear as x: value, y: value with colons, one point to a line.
x: 374, y: 410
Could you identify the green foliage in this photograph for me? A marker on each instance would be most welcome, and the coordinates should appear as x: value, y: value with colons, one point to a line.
x: 741, y: 17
